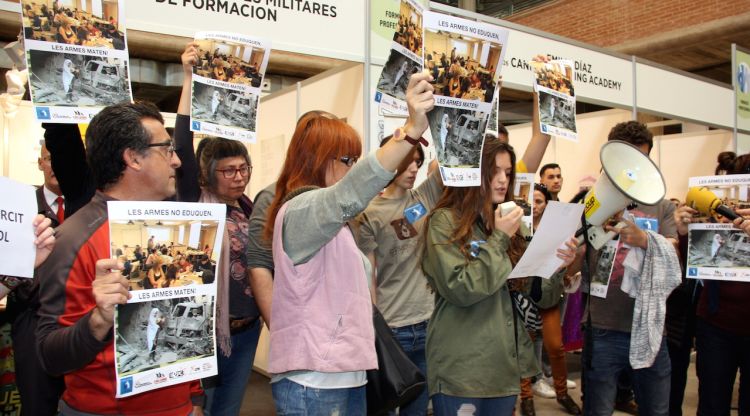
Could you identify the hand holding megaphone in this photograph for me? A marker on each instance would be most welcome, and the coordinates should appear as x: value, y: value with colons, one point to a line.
x: 630, y: 233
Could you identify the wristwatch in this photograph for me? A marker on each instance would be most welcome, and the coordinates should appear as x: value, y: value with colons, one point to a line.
x: 10, y: 282
x: 400, y: 134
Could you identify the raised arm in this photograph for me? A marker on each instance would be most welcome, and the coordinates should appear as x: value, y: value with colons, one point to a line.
x: 69, y: 164
x: 326, y: 210
x: 188, y: 189
x: 534, y: 153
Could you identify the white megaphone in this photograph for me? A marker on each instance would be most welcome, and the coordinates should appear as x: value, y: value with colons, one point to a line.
x: 629, y: 176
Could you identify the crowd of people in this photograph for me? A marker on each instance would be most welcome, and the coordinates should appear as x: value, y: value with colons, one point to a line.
x: 339, y: 232
x: 409, y: 34
x: 460, y: 77
x: 73, y: 27
x: 225, y: 68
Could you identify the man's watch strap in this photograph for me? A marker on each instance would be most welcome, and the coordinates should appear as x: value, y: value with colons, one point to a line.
x: 414, y: 142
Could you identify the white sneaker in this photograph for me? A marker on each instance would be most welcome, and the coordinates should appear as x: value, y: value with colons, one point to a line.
x: 570, y: 384
x: 542, y: 389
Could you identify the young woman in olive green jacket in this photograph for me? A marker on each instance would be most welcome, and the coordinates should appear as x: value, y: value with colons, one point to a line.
x: 477, y: 348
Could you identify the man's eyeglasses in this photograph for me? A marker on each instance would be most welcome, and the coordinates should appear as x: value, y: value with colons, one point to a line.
x: 230, y: 173
x: 348, y: 160
x: 168, y: 144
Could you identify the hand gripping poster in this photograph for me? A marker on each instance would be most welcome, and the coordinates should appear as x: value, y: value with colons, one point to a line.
x: 553, y: 80
x: 77, y: 57
x: 226, y: 84
x: 716, y: 249
x: 404, y: 60
x: 464, y: 58
x: 165, y: 335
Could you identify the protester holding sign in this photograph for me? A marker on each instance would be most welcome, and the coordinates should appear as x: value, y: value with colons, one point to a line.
x: 132, y: 158
x: 219, y: 172
x: 722, y: 334
x: 322, y: 339
x: 45, y: 242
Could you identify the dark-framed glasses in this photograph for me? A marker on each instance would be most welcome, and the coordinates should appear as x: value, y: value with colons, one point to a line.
x: 168, y: 144
x: 230, y: 173
x: 348, y: 160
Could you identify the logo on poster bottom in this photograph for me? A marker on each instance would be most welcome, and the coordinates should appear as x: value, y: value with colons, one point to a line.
x: 196, y: 125
x: 42, y: 113
x: 693, y: 271
x: 126, y: 385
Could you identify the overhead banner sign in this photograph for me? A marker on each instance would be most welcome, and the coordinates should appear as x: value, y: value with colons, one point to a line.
x: 598, y: 77
x: 330, y: 28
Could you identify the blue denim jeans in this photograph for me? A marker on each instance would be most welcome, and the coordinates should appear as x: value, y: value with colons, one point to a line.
x: 412, y: 339
x: 719, y: 355
x: 294, y: 399
x: 444, y: 405
x: 610, y: 358
x: 234, y: 372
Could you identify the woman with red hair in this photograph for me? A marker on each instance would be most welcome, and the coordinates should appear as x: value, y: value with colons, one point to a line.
x: 322, y: 338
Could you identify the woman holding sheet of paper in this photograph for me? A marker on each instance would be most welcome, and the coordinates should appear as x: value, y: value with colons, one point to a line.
x: 322, y: 339
x: 219, y: 172
x: 477, y: 347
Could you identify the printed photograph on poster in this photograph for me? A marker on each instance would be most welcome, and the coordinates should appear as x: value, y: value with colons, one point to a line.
x: 226, y: 84
x: 94, y: 23
x: 557, y: 105
x: 409, y: 31
x: 404, y: 60
x: 224, y: 107
x: 716, y: 249
x: 153, y: 334
x: 76, y: 56
x: 395, y: 76
x: 603, y: 270
x: 465, y: 55
x: 458, y: 135
x: 164, y: 335
x: 72, y: 80
x: 523, y: 196
x: 494, y: 123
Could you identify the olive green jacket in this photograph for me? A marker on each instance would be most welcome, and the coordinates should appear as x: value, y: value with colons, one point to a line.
x: 475, y: 345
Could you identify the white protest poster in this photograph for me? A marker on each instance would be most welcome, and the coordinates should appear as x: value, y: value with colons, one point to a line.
x: 523, y: 196
x: 165, y: 335
x: 77, y: 58
x: 557, y: 100
x: 716, y: 249
x: 466, y: 58
x: 16, y: 229
x: 404, y: 60
x: 558, y: 224
x: 226, y: 84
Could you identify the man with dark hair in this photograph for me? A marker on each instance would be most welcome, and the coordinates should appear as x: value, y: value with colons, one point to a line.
x: 612, y: 315
x: 551, y: 176
x: 131, y: 157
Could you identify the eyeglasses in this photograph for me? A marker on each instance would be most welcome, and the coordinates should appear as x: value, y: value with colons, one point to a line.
x: 348, y: 160
x: 230, y: 173
x: 168, y: 144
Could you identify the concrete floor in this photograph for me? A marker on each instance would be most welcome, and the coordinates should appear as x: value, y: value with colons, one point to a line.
x: 259, y: 401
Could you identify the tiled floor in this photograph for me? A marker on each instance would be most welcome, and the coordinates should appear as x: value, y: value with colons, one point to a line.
x: 259, y: 402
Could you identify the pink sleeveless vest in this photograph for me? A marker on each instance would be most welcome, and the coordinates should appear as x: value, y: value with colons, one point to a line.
x: 322, y: 311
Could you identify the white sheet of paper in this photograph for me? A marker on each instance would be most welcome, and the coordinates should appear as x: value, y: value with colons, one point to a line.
x: 559, y: 222
x: 16, y: 231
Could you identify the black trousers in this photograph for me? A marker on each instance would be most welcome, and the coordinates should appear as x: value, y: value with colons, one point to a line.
x: 40, y: 392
